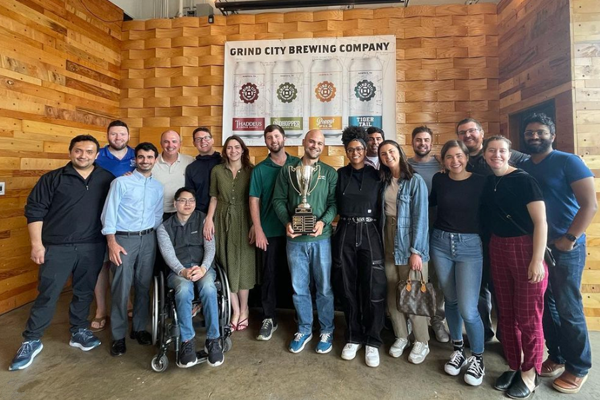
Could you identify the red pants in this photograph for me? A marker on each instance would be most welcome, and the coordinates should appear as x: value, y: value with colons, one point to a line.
x: 520, y: 303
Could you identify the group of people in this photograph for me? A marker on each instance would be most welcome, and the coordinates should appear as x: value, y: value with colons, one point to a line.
x: 477, y: 220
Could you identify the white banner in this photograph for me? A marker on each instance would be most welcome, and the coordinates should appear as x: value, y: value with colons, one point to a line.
x: 303, y: 84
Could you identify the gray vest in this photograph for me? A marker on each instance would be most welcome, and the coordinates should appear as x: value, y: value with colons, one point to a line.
x: 187, y: 239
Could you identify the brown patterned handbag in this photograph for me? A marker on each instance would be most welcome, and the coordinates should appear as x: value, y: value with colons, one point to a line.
x: 416, y: 297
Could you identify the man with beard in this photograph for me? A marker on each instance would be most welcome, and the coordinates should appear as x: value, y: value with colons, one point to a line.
x: 118, y: 158
x: 270, y: 233
x: 471, y: 132
x: 132, y: 212
x: 63, y: 220
x: 570, y: 197
x: 197, y: 174
x: 376, y: 136
x: 426, y: 165
x: 309, y: 255
x: 170, y: 169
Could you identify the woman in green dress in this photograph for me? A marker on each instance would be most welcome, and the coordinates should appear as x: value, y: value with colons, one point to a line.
x: 228, y: 218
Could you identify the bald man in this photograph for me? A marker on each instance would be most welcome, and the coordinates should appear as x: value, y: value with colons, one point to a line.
x: 309, y: 255
x: 170, y: 168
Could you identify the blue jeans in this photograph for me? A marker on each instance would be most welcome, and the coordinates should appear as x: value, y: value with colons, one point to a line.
x: 311, y: 260
x: 184, y: 295
x: 564, y: 322
x: 458, y: 260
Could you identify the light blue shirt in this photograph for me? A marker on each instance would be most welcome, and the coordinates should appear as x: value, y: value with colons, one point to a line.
x: 134, y: 203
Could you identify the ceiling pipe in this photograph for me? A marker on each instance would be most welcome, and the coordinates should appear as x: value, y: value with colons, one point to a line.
x: 234, y: 6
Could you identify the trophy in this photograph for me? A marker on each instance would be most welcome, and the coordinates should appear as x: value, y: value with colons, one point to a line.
x: 303, y: 220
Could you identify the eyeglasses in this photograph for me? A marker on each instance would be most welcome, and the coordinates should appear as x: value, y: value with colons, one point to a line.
x: 202, y: 139
x: 539, y: 132
x: 186, y: 201
x: 469, y: 131
x: 355, y: 149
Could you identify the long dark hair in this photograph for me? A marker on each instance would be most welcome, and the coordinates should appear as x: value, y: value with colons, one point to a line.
x: 406, y: 171
x: 246, y: 164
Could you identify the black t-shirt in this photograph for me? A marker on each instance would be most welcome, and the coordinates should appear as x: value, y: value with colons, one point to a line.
x: 458, y: 202
x: 358, y: 192
x: 509, y: 194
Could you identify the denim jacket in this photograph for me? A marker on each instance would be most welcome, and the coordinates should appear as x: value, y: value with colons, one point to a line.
x: 412, y: 230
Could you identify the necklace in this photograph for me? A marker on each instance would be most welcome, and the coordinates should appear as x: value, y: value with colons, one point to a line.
x: 498, y: 182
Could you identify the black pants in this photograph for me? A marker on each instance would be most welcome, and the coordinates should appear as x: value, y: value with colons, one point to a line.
x: 275, y: 275
x: 84, y: 262
x: 359, y: 280
x: 486, y: 294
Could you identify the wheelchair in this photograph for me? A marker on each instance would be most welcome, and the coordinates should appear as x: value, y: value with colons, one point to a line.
x: 165, y: 322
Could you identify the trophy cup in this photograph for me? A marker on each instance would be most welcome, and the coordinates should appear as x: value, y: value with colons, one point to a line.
x: 303, y: 220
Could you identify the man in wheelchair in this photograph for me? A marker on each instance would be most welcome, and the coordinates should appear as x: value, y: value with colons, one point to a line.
x: 190, y: 258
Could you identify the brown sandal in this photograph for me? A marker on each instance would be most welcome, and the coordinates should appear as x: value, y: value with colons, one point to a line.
x: 102, y: 322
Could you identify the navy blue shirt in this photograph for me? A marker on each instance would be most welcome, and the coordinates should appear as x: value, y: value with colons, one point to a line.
x: 555, y: 174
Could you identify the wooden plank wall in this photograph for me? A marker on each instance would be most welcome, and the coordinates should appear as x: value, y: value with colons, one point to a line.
x: 535, y: 61
x: 59, y: 77
x: 585, y: 23
x: 447, y: 66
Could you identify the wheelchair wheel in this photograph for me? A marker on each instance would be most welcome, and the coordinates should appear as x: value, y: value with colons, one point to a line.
x: 159, y: 364
x: 158, y: 309
x: 225, y: 311
x: 227, y: 344
x: 155, y: 313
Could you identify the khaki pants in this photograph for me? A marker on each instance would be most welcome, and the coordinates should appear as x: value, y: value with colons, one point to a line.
x: 394, y: 273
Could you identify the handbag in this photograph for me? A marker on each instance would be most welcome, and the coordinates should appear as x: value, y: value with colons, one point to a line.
x: 548, y: 256
x: 415, y: 297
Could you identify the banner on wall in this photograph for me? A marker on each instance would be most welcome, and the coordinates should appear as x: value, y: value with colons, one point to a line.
x: 303, y: 84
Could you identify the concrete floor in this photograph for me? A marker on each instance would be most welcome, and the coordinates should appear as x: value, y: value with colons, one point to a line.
x: 252, y: 370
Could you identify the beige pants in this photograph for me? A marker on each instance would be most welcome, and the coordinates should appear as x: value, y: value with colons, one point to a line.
x: 394, y: 273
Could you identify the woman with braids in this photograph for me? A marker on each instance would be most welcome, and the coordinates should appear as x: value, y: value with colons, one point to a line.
x: 359, y: 276
x: 228, y: 219
x: 406, y: 242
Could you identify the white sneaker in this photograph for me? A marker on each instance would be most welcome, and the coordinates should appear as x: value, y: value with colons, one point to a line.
x: 372, y: 356
x: 398, y: 347
x: 349, y: 351
x: 441, y: 334
x: 418, y: 353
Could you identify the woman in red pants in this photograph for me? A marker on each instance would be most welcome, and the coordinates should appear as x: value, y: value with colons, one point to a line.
x: 515, y: 214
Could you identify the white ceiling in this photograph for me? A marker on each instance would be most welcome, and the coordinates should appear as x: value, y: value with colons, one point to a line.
x: 148, y: 9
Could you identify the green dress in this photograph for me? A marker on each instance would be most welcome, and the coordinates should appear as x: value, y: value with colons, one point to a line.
x: 232, y: 223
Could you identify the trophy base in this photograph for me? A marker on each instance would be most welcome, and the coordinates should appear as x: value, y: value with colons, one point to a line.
x: 303, y: 221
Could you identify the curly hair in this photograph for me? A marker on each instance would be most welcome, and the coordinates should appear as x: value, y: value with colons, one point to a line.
x: 354, y: 133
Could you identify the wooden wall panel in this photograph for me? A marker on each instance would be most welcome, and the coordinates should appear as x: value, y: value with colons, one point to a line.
x: 585, y: 41
x: 60, y: 69
x: 535, y: 61
x: 447, y: 66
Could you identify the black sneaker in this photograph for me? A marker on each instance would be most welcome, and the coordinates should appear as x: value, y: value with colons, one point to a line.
x: 214, y: 348
x: 266, y: 331
x: 457, y: 360
x: 475, y: 372
x: 187, y: 354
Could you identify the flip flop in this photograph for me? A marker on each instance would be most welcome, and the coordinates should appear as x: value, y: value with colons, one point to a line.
x: 243, y: 324
x: 101, y: 324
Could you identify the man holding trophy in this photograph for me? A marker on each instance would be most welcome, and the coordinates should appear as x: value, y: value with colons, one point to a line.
x: 304, y: 200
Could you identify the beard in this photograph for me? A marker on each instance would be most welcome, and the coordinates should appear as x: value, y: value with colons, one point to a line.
x: 537, y: 148
x: 275, y: 147
x: 422, y: 153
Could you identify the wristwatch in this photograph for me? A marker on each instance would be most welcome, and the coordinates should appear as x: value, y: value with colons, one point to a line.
x: 571, y: 237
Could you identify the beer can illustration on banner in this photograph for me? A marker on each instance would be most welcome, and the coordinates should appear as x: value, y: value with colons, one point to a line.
x: 287, y: 97
x: 326, y: 97
x: 249, y: 103
x: 366, y: 92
